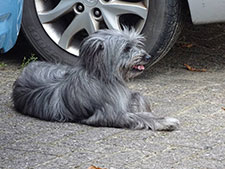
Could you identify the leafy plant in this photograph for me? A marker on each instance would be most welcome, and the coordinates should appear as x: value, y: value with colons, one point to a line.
x: 26, y: 61
x: 2, y: 65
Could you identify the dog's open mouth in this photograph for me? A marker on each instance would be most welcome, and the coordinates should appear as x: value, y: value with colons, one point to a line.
x: 139, y: 67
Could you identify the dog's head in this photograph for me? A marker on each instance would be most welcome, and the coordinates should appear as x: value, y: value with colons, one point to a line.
x: 114, y: 54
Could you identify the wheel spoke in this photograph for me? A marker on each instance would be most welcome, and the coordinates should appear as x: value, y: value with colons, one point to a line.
x: 63, y: 7
x: 92, y: 25
x: 111, y: 20
x: 121, y: 7
x: 78, y: 23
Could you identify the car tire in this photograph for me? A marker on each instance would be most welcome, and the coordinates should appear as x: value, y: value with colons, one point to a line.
x: 161, y: 29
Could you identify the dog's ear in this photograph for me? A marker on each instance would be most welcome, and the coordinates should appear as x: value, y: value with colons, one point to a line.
x: 91, y: 47
x: 100, y: 47
x: 92, y: 55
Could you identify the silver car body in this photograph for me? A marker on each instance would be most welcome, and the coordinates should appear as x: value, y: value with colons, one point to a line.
x: 207, y: 11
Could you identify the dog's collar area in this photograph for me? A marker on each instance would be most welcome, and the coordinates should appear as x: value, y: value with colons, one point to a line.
x: 139, y: 67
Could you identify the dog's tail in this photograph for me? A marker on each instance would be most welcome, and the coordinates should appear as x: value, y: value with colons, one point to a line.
x: 142, y: 120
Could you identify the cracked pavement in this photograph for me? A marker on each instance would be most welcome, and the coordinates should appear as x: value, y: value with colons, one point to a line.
x: 197, y: 99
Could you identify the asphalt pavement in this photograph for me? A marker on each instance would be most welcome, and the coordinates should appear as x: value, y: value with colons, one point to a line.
x: 196, y: 97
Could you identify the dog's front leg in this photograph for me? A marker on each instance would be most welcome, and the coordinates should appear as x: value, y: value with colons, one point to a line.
x: 140, y: 106
x: 138, y: 103
x: 111, y: 118
x: 140, y: 120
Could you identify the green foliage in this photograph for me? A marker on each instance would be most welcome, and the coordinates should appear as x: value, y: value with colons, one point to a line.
x: 2, y: 65
x: 26, y: 61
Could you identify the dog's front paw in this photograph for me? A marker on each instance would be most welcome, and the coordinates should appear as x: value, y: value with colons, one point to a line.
x: 167, y: 124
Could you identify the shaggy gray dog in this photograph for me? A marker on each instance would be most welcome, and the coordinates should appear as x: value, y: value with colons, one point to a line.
x: 93, y: 93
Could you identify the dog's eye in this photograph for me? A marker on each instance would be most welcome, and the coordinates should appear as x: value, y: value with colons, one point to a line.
x: 127, y: 48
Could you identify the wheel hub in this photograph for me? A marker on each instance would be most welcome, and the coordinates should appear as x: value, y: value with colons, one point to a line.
x: 90, y: 3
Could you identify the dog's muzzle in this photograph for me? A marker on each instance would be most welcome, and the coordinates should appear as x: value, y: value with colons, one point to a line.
x: 141, y: 66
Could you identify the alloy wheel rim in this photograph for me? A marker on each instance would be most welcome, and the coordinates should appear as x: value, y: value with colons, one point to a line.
x: 68, y: 22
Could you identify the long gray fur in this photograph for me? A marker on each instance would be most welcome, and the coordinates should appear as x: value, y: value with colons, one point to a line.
x: 93, y: 93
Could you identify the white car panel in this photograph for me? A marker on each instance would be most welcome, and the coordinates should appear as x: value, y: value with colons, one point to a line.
x: 207, y: 11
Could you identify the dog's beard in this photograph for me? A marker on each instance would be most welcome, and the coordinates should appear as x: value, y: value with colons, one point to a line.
x: 133, y: 72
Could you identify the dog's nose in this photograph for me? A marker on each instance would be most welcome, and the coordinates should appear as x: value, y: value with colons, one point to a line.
x: 147, y: 57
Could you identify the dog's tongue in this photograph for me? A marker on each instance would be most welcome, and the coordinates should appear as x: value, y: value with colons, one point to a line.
x: 139, y: 67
